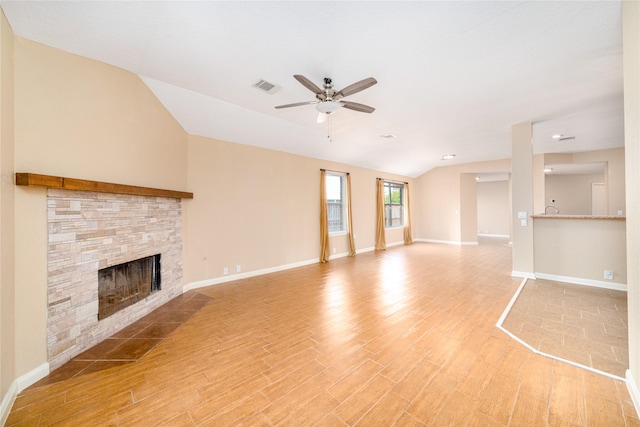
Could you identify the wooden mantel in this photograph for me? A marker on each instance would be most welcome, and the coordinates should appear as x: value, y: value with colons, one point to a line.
x: 48, y: 181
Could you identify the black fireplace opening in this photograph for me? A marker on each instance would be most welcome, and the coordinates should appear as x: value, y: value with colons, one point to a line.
x: 122, y: 285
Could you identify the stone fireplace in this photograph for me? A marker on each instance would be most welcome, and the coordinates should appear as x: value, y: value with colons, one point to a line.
x: 90, y: 231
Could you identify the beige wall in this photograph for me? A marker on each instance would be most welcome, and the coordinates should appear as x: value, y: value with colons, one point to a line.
x: 438, y: 200
x: 566, y: 248
x: 494, y: 207
x: 79, y: 118
x: 614, y: 175
x: 259, y: 209
x: 522, y: 199
x: 538, y: 183
x: 572, y: 193
x: 7, y: 278
x: 631, y: 43
x: 468, y: 208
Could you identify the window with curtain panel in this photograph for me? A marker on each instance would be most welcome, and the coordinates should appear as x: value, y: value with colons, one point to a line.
x: 336, y: 202
x: 393, y: 204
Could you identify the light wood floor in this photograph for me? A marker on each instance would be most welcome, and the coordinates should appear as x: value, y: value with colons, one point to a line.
x: 401, y: 337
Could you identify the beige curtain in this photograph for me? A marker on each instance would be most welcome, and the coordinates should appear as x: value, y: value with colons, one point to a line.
x: 381, y: 243
x: 324, y: 221
x: 352, y: 244
x: 407, y: 216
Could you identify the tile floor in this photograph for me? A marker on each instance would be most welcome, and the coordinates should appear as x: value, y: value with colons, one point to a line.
x: 582, y: 324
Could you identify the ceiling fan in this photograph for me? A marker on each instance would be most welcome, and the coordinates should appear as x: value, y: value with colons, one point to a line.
x: 328, y: 100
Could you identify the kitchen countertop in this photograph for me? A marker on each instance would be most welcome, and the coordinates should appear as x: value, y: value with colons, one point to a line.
x: 560, y: 216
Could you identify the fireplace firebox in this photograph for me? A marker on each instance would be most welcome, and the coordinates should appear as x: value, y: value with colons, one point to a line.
x: 122, y: 285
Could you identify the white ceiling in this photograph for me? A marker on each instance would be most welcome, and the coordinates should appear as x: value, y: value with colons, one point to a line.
x: 452, y: 76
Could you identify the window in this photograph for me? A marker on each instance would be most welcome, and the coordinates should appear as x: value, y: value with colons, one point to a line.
x: 393, y: 204
x: 336, y: 206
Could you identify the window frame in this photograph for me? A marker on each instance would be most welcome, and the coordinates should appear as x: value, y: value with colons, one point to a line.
x: 343, y: 203
x: 388, y: 207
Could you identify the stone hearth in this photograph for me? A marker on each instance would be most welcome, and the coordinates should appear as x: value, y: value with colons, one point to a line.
x: 89, y: 231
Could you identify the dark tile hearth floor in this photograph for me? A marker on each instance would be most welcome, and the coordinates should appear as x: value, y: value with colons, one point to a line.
x: 134, y: 341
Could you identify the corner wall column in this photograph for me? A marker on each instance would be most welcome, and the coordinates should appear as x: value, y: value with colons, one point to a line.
x: 631, y: 55
x: 522, y: 199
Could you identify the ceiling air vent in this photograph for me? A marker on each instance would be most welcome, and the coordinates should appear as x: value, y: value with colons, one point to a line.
x: 264, y: 85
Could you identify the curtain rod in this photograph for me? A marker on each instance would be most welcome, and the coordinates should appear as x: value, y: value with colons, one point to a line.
x: 392, y: 180
x: 329, y: 170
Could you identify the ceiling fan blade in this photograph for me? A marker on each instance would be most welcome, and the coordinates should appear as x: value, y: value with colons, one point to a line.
x: 356, y: 87
x: 307, y: 83
x: 297, y: 104
x: 357, y: 107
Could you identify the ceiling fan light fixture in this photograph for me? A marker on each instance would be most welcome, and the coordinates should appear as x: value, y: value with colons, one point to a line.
x: 328, y: 107
x: 448, y: 157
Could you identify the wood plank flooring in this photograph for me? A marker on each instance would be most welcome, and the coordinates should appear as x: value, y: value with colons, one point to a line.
x: 401, y: 337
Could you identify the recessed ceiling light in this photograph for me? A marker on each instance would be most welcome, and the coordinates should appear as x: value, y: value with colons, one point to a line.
x: 477, y: 178
x: 388, y: 136
x: 556, y: 136
x: 448, y: 156
x: 548, y: 170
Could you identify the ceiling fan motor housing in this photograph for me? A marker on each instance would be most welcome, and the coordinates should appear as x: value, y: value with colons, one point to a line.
x: 328, y: 100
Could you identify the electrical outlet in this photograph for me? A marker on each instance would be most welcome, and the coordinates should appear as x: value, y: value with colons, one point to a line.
x: 608, y: 274
x: 238, y: 268
x: 225, y: 270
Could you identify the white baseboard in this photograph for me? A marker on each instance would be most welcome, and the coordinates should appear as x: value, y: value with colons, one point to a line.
x: 523, y: 274
x: 363, y: 250
x: 17, y: 386
x: 503, y: 236
x: 400, y: 243
x: 633, y: 391
x: 582, y: 281
x: 232, y: 277
x: 7, y: 402
x: 446, y: 242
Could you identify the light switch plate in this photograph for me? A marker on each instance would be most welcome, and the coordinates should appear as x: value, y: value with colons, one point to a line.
x: 522, y: 215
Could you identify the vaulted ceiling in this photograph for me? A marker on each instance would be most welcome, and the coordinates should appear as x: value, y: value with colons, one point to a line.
x: 453, y: 77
